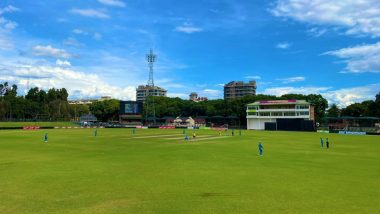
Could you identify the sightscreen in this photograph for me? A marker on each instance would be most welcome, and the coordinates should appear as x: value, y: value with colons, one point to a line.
x: 130, y: 107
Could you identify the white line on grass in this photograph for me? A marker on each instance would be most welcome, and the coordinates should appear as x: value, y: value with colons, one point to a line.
x: 154, y: 136
x: 211, y: 138
x: 178, y: 138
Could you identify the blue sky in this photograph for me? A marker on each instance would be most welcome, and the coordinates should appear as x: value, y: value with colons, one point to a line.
x: 97, y: 47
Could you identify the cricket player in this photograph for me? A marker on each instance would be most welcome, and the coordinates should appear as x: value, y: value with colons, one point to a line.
x: 327, y: 143
x: 46, y: 137
x: 194, y: 135
x: 261, y: 148
x: 96, y: 132
x: 322, y: 143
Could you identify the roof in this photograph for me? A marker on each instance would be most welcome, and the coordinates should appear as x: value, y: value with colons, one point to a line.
x: 240, y: 83
x: 279, y: 102
x: 147, y: 87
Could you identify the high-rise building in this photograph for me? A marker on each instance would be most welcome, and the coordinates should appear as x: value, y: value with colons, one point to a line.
x: 194, y: 97
x: 144, y: 91
x: 237, y: 89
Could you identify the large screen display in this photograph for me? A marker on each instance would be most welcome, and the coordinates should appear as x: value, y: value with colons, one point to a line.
x: 130, y: 107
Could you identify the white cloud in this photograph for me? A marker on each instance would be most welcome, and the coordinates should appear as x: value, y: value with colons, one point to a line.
x: 359, y: 59
x: 357, y: 17
x: 212, y: 93
x: 63, y: 63
x: 5, y: 43
x: 292, y: 79
x: 72, y: 42
x: 342, y: 97
x: 78, y: 84
x: 7, y: 24
x: 180, y: 95
x: 168, y: 83
x: 9, y: 9
x: 90, y: 13
x: 49, y: 51
x: 317, y: 32
x: 80, y: 31
x: 115, y: 3
x: 98, y: 36
x: 63, y: 20
x: 346, y: 96
x: 188, y: 28
x: 278, y: 91
x: 284, y: 45
x: 253, y: 77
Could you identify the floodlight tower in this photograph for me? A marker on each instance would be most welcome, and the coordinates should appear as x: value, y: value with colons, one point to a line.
x: 151, y: 58
x: 150, y: 107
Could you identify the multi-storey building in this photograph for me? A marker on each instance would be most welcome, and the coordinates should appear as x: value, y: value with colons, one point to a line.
x: 237, y: 89
x: 144, y: 91
x: 261, y: 112
x: 194, y: 97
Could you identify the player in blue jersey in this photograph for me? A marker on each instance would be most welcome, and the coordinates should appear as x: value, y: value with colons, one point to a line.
x: 46, y: 138
x: 261, y: 148
x: 322, y: 143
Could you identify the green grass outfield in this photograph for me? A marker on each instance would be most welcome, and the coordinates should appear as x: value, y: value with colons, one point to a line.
x: 155, y: 171
x: 41, y: 124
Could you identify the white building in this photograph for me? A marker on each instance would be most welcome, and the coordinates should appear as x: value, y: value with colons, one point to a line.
x: 144, y: 91
x: 261, y: 112
x: 194, y: 97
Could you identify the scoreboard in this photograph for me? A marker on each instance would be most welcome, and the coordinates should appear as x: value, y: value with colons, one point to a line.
x: 131, y: 108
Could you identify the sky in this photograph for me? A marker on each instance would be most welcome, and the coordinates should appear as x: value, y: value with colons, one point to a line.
x: 97, y: 48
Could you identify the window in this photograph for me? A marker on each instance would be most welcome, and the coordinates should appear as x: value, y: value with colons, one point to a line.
x: 253, y: 107
x: 276, y: 114
x: 289, y: 114
x: 264, y: 113
x: 252, y: 113
x: 302, y: 107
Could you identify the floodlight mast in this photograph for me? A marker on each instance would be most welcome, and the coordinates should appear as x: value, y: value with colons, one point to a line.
x: 151, y: 58
x: 150, y: 107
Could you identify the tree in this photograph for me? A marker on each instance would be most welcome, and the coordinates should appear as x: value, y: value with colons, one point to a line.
x: 77, y: 110
x: 3, y: 89
x: 377, y: 105
x: 333, y: 111
x: 105, y: 110
x: 320, y: 104
x: 353, y: 110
